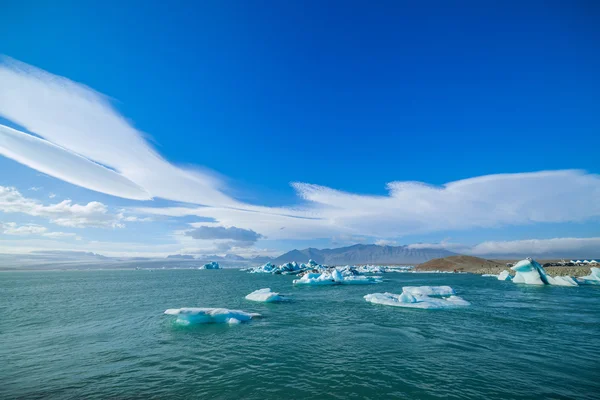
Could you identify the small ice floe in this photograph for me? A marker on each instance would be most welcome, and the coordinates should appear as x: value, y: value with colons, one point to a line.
x: 426, y: 297
x: 592, y: 279
x: 489, y: 276
x: 265, y: 296
x: 504, y: 276
x: 335, y: 277
x: 188, y: 316
x: 210, y: 265
x: 530, y: 272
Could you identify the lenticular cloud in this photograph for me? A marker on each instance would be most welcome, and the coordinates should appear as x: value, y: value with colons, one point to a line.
x: 81, y: 128
x: 70, y: 167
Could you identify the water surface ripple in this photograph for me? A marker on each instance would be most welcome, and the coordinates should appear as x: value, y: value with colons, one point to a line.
x: 102, y: 334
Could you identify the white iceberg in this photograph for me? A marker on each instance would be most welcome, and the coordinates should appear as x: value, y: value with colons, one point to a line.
x: 265, y: 296
x: 489, y: 276
x: 188, y: 316
x: 211, y: 265
x: 335, y: 277
x: 530, y: 272
x: 592, y: 279
x: 504, y: 276
x: 420, y: 297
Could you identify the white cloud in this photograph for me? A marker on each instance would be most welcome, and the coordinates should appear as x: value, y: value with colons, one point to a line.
x: 88, y: 143
x: 60, y: 234
x: 51, y: 195
x: 81, y: 131
x: 385, y: 242
x: 11, y: 228
x: 35, y: 188
x: 92, y: 214
x: 415, y: 208
x: 558, y: 247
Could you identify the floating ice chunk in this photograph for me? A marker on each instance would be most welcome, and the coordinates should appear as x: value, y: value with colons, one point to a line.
x: 530, y: 272
x: 592, y: 279
x: 265, y: 296
x: 429, y: 290
x: 211, y: 265
x: 416, y: 298
x: 489, y: 276
x: 561, y: 281
x: 192, y: 315
x: 504, y: 276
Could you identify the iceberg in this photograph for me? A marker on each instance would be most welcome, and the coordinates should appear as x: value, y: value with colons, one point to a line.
x: 530, y: 272
x: 592, y: 279
x: 265, y: 296
x: 504, y: 276
x: 188, y: 316
x: 335, y: 277
x: 424, y: 297
x: 211, y: 265
x: 489, y: 276
x: 429, y: 290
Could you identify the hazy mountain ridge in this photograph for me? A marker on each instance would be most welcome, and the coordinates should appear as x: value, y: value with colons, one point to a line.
x: 364, y: 254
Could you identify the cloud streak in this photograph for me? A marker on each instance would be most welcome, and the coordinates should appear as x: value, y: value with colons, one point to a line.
x: 81, y: 128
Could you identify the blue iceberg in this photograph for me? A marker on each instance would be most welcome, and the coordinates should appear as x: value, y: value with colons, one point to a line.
x: 530, y: 272
x: 592, y: 279
x: 211, y: 265
x: 335, y: 277
x: 189, y: 316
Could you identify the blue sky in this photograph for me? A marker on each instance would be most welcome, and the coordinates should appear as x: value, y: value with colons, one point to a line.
x: 348, y: 96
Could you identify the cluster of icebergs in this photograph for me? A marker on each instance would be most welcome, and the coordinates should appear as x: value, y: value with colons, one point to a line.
x: 335, y: 277
x: 530, y: 272
x: 210, y: 265
x: 426, y: 297
x: 527, y: 271
x: 293, y: 268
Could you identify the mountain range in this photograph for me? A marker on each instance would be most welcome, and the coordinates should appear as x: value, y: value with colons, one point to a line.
x: 364, y: 254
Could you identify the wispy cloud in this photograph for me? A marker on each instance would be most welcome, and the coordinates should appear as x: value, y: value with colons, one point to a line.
x: 548, y: 248
x: 70, y: 117
x: 12, y: 228
x: 556, y: 247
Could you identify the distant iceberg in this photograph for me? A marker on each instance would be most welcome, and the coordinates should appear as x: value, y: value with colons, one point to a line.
x: 335, y: 277
x: 188, y: 316
x: 265, y: 296
x: 489, y: 276
x: 530, y: 272
x: 211, y: 265
x: 425, y: 297
x: 592, y: 279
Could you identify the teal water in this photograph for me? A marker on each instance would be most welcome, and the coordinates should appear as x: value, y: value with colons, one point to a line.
x: 102, y: 334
